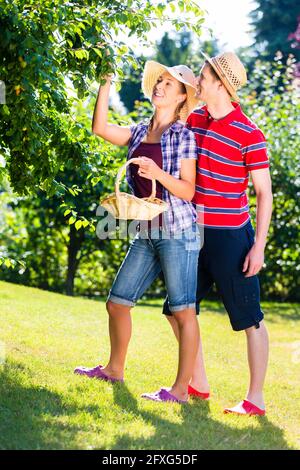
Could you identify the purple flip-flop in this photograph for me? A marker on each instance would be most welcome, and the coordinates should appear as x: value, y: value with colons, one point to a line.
x: 96, y: 373
x: 162, y: 395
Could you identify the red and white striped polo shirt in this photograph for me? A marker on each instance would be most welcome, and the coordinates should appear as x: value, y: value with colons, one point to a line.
x: 228, y: 149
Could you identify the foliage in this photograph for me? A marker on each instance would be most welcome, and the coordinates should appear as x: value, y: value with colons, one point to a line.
x: 54, y: 236
x: 51, y: 52
x: 44, y: 46
x: 49, y: 150
x: 276, y: 111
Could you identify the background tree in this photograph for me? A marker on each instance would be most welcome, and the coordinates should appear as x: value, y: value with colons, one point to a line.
x: 130, y: 91
x: 294, y: 37
x: 174, y: 49
x: 272, y: 23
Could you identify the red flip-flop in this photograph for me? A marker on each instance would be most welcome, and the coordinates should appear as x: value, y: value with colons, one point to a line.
x: 246, y: 408
x: 195, y: 393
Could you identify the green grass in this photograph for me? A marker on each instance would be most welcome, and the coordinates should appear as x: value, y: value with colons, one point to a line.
x: 43, y: 405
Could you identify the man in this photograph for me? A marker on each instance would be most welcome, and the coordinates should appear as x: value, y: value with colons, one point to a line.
x: 230, y: 147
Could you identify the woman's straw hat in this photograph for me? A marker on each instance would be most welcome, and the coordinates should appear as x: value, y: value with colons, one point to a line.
x: 230, y: 70
x: 182, y: 73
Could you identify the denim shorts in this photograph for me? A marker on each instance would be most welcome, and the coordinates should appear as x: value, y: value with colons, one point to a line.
x: 151, y: 253
x: 221, y: 262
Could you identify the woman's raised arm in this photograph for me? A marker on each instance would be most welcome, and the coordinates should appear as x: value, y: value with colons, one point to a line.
x: 118, y: 135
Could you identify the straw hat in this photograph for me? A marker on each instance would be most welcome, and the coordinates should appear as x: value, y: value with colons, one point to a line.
x: 230, y: 70
x: 182, y: 73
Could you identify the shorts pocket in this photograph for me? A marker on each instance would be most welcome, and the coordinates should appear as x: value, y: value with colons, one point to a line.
x: 246, y: 291
x: 250, y: 235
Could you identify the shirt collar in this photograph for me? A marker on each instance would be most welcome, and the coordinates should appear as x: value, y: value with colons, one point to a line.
x: 232, y: 116
x: 176, y: 127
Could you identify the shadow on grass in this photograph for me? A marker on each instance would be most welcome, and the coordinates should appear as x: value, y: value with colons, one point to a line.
x: 276, y: 310
x: 197, y: 430
x: 33, y: 417
x: 273, y: 311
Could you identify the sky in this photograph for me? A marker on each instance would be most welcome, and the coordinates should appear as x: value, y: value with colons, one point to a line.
x: 229, y: 21
x: 227, y: 18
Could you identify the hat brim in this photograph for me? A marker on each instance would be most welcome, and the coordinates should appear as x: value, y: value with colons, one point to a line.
x: 151, y: 73
x: 222, y: 76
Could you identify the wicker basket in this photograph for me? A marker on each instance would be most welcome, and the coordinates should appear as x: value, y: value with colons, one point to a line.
x: 126, y: 206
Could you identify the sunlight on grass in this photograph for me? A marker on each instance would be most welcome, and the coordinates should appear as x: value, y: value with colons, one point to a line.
x: 43, y: 405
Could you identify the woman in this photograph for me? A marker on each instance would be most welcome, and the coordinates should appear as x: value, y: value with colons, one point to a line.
x: 167, y: 153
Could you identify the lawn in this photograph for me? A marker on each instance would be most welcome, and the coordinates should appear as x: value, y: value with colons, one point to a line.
x: 43, y: 405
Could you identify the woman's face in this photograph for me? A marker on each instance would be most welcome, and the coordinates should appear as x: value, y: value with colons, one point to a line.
x: 167, y: 92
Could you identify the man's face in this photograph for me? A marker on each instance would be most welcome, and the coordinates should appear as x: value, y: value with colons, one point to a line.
x: 207, y: 85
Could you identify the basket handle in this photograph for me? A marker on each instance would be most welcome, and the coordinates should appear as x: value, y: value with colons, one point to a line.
x: 119, y: 176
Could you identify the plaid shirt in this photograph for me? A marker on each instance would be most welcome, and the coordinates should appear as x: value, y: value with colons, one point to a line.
x: 177, y: 143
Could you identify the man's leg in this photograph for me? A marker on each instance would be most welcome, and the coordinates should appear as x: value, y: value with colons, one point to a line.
x: 199, y: 379
x: 258, y: 351
x: 241, y: 299
x: 188, y: 336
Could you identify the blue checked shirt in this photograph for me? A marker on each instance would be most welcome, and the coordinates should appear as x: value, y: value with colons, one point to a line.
x: 177, y: 143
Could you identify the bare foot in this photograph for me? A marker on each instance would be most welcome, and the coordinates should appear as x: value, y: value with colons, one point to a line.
x: 113, y: 373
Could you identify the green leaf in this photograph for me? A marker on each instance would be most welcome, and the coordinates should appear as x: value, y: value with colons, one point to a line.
x: 22, y: 264
x: 6, y: 110
x: 78, y: 224
x: 7, y: 263
x: 98, y: 52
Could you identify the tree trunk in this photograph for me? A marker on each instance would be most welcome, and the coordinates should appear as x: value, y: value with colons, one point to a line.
x: 75, y: 242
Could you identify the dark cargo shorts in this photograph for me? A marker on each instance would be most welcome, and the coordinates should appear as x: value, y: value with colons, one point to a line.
x: 221, y: 262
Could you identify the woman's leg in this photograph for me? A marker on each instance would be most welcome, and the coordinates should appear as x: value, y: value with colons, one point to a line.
x: 137, y: 272
x: 199, y: 379
x: 120, y: 334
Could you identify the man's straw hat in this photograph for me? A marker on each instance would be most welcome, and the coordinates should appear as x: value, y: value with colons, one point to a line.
x: 230, y: 70
x: 182, y: 73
